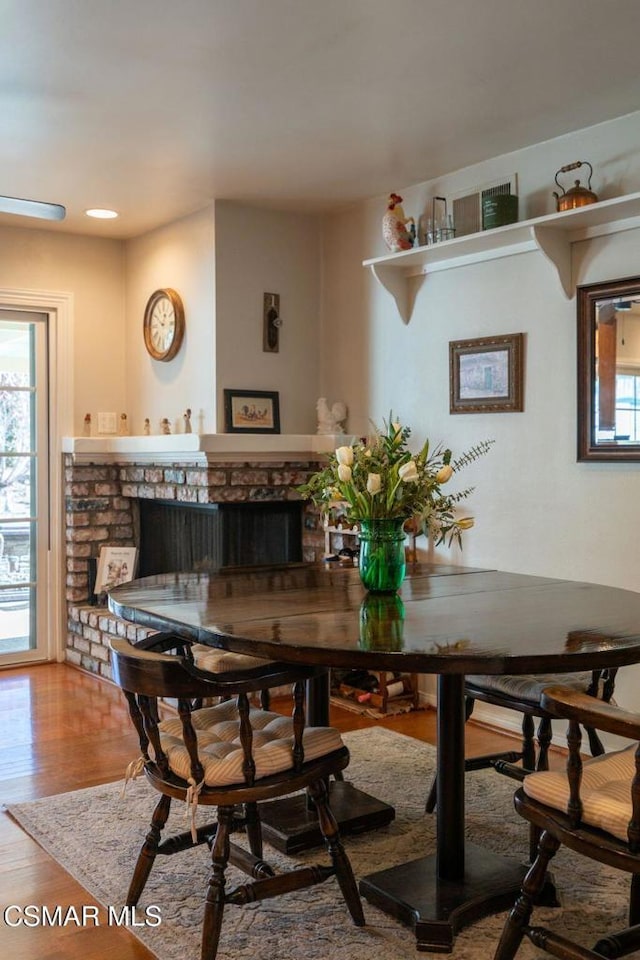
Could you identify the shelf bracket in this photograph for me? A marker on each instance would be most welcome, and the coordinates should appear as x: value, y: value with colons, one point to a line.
x: 555, y: 246
x: 402, y: 288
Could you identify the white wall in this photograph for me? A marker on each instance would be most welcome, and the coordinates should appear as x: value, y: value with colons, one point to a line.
x: 179, y: 255
x: 264, y: 251
x: 91, y: 270
x: 537, y: 510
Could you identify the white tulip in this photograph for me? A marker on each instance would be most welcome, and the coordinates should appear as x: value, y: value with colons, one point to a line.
x: 444, y: 473
x: 374, y: 483
x: 408, y: 472
x: 345, y: 455
x: 344, y: 472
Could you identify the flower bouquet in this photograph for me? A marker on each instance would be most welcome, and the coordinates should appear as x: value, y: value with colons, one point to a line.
x: 381, y: 484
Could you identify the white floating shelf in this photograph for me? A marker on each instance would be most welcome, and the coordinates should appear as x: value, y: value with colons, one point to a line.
x: 552, y: 235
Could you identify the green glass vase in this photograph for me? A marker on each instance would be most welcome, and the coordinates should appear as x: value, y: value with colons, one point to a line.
x: 382, y: 561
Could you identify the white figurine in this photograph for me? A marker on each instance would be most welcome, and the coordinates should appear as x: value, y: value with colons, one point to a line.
x: 165, y: 426
x: 187, y: 420
x: 147, y: 427
x: 331, y: 420
x: 87, y: 425
x: 124, y: 426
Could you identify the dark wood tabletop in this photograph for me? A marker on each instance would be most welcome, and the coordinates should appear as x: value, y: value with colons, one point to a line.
x: 445, y: 620
x: 455, y: 620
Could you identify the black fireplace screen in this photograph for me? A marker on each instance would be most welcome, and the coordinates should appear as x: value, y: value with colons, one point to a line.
x: 176, y: 537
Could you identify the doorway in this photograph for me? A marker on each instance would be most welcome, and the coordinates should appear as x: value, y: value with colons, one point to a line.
x: 24, y: 486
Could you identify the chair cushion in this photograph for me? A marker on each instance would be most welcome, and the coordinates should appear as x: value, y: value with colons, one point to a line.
x: 223, y: 661
x: 529, y: 687
x: 218, y: 733
x: 605, y: 790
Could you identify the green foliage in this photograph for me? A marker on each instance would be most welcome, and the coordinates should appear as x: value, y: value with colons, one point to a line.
x: 384, y: 479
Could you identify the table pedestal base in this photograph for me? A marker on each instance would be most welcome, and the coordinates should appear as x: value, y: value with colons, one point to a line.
x: 289, y: 826
x: 438, y: 909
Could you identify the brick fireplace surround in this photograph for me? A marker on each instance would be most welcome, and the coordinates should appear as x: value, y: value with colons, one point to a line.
x: 103, y: 482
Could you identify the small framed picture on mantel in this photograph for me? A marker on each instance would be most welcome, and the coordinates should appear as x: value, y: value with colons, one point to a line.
x: 251, y: 411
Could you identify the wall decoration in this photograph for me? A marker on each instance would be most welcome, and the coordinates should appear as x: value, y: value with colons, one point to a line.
x: 271, y: 322
x: 163, y: 324
x: 486, y: 374
x: 251, y: 411
x: 608, y: 370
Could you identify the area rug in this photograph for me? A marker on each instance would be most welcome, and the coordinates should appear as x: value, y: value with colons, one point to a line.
x: 95, y: 835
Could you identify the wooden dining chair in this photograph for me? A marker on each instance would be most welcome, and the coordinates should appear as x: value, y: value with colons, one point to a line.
x: 593, y: 808
x: 230, y: 756
x: 523, y: 694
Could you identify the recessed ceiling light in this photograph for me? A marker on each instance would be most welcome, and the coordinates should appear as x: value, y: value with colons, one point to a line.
x: 101, y: 214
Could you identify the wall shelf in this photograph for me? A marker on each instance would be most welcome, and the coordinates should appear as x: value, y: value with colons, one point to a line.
x: 552, y: 235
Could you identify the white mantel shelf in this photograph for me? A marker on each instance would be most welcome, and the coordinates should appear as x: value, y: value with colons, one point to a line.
x: 552, y: 235
x: 201, y: 448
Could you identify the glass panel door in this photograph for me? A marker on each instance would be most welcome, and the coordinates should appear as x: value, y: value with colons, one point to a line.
x: 24, y: 528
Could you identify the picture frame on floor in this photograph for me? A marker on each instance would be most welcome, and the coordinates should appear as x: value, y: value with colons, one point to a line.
x: 115, y: 565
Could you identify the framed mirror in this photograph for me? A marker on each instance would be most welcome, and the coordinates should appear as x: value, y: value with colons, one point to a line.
x: 609, y: 370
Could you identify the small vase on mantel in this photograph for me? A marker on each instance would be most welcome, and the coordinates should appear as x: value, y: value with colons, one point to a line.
x: 382, y: 559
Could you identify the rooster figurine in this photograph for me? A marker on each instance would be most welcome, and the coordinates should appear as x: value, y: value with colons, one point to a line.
x: 394, y: 226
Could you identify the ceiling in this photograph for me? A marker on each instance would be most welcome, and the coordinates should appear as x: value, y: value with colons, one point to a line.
x: 156, y: 108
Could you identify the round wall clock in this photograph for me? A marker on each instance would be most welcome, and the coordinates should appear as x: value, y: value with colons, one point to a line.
x: 163, y: 324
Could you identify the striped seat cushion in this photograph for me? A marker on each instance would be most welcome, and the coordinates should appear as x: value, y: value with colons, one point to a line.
x: 223, y: 661
x: 218, y: 733
x: 529, y: 687
x: 605, y: 790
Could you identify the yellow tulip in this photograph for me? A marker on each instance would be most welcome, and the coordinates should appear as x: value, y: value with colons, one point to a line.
x: 444, y: 473
x: 465, y: 524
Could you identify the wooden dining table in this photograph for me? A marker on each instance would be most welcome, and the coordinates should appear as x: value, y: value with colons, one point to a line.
x: 445, y: 620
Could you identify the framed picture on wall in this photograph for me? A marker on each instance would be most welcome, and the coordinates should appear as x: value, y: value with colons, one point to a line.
x: 486, y: 374
x: 251, y: 411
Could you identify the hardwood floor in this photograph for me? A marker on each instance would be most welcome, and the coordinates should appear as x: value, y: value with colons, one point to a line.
x: 47, y: 748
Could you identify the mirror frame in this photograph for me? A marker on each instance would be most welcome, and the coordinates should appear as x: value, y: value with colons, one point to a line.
x: 587, y: 298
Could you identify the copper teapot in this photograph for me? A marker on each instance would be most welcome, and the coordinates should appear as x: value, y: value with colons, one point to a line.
x: 577, y: 196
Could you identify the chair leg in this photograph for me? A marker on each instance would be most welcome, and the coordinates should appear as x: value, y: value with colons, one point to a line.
x: 634, y: 901
x: 520, y: 914
x: 253, y: 828
x: 341, y: 863
x: 430, y: 805
x: 149, y: 850
x: 214, y: 901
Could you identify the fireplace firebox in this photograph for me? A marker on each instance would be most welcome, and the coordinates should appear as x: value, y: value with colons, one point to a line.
x: 176, y: 537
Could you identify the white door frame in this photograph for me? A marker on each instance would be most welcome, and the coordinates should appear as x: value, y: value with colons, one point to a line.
x: 59, y: 308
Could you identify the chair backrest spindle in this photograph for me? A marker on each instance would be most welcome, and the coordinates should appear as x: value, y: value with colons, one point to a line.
x: 299, y: 692
x: 185, y: 708
x: 246, y: 740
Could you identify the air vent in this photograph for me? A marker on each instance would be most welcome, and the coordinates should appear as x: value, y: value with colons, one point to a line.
x: 467, y: 206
